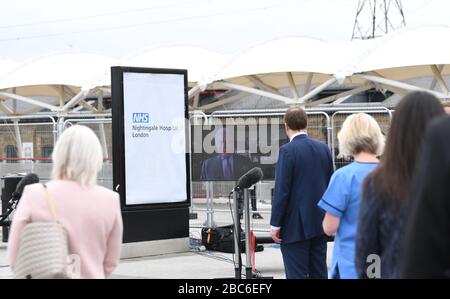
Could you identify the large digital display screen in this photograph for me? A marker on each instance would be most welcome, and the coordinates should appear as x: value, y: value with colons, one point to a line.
x: 227, y: 148
x: 226, y: 152
x: 156, y: 168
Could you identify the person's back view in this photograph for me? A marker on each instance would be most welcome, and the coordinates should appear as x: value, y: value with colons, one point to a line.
x: 385, y: 197
x: 427, y: 240
x: 303, y: 171
x: 89, y: 213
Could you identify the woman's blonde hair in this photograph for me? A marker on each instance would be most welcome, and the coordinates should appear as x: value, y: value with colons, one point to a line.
x: 77, y: 156
x: 360, y: 132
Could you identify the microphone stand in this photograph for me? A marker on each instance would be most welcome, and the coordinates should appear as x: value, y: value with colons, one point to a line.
x: 248, y: 262
x: 237, y: 237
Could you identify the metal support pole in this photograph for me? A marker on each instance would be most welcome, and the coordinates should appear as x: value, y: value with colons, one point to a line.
x: 62, y: 96
x: 401, y: 85
x: 258, y: 92
x: 248, y: 257
x: 28, y: 100
x: 209, y: 205
x: 103, y: 142
x: 60, y: 125
x: 438, y: 76
x: 292, y: 85
x: 333, y: 150
x: 264, y: 86
x: 75, y: 100
x: 6, y: 109
x: 434, y: 82
x: 18, y: 138
x: 308, y: 83
x: 317, y: 90
x: 206, y: 223
x: 237, y: 237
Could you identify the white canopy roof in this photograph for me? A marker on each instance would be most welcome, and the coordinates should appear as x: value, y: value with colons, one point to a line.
x: 304, y: 66
x: 199, y: 62
x: 405, y: 48
x: 6, y: 66
x: 293, y: 54
x: 73, y: 69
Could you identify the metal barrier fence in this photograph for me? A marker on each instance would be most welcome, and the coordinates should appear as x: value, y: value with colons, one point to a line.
x: 26, y: 144
x: 211, y: 197
x: 102, y: 127
x: 39, y: 133
x: 383, y: 116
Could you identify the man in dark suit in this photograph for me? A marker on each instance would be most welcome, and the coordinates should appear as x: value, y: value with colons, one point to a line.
x: 426, y: 252
x: 225, y: 166
x: 302, y: 173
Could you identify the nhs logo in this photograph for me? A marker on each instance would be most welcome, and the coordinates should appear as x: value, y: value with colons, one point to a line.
x: 141, y: 118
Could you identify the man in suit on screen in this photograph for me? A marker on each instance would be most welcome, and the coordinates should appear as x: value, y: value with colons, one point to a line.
x: 225, y: 165
x: 302, y: 173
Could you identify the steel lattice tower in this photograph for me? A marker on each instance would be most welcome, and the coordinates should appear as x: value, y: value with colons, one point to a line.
x: 376, y: 18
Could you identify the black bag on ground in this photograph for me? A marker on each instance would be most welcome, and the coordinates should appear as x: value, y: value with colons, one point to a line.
x: 220, y: 238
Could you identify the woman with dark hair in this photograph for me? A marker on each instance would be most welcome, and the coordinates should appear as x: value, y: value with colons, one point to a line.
x: 386, y: 191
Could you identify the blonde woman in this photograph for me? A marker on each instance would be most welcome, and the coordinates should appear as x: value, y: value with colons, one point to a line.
x: 360, y: 138
x: 90, y: 214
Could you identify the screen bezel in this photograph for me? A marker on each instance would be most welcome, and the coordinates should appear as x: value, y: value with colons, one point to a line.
x: 118, y: 136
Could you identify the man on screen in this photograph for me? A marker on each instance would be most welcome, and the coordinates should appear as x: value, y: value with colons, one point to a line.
x: 224, y: 166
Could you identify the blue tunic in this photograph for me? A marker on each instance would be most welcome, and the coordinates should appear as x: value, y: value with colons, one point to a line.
x: 342, y: 200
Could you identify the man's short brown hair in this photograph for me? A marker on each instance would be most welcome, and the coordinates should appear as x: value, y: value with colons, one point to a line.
x: 446, y: 103
x: 296, y: 118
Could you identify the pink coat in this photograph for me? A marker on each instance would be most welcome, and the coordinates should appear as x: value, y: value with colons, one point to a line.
x: 91, y: 216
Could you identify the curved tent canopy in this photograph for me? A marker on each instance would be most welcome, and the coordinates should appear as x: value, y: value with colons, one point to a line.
x: 199, y: 62
x: 55, y: 82
x: 75, y: 69
x: 6, y: 66
x: 405, y: 48
x: 407, y: 55
x: 286, y: 55
x: 298, y: 63
x: 286, y: 69
x: 291, y: 70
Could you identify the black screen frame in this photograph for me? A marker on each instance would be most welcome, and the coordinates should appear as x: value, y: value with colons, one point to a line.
x: 118, y: 137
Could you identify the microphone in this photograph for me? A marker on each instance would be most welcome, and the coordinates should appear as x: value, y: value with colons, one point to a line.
x: 250, y: 178
x: 28, y: 179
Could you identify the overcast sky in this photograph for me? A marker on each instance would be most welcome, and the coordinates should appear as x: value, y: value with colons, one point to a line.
x: 30, y: 29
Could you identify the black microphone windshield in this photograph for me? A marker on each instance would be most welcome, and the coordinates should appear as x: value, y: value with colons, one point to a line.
x: 28, y: 179
x: 253, y: 176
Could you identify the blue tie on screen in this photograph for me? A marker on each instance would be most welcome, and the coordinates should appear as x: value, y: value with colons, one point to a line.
x: 227, y: 172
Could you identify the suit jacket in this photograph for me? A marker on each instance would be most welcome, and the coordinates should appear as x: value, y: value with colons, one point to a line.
x: 212, y: 169
x: 427, y: 244
x: 302, y: 173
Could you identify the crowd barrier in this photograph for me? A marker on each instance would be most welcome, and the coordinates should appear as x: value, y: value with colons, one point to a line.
x: 26, y: 143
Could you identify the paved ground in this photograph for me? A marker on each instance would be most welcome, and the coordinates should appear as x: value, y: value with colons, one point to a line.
x: 195, y: 264
x: 183, y: 265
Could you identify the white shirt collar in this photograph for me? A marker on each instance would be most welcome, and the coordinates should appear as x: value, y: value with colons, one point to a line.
x: 297, y: 134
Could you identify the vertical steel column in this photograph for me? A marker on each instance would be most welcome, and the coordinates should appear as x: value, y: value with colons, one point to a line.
x: 237, y: 237
x: 248, y: 258
x: 102, y: 134
x: 209, y: 205
x: 18, y: 138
